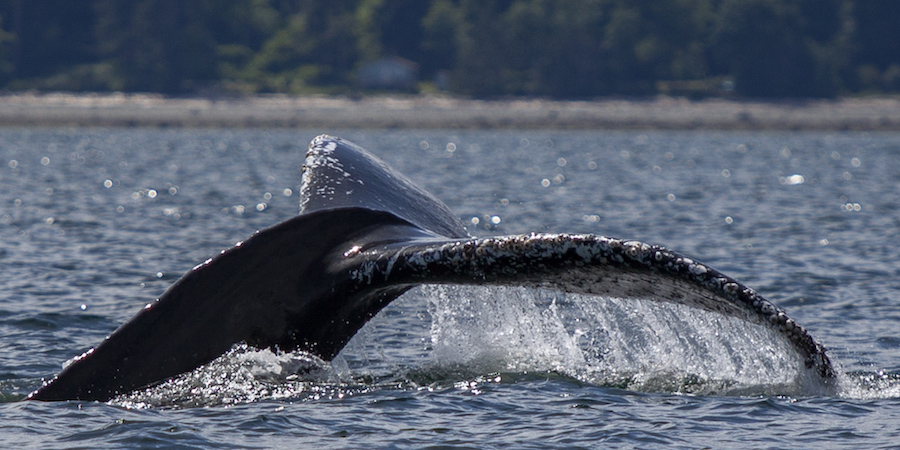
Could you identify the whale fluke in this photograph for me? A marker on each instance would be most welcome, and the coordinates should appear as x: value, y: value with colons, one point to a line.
x: 364, y: 236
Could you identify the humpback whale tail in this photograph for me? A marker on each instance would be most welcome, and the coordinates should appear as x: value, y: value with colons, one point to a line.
x: 365, y: 235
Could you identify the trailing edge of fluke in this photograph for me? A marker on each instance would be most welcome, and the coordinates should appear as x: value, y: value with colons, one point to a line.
x: 365, y: 235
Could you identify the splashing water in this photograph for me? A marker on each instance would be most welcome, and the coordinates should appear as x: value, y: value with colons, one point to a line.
x: 635, y: 344
x: 243, y: 375
x: 440, y: 336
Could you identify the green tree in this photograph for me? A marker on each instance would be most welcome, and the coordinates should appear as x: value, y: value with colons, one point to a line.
x: 480, y: 64
x: 316, y: 46
x: 563, y: 53
x: 773, y: 50
x: 158, y: 45
x: 440, y: 26
x: 572, y: 48
x: 6, y: 66
x: 875, y: 46
x: 42, y: 39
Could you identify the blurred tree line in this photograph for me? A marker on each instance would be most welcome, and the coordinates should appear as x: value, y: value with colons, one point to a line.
x: 482, y: 48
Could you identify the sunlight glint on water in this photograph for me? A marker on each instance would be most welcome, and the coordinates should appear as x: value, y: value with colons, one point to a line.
x: 79, y: 256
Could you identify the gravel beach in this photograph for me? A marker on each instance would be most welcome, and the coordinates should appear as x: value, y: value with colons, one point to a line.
x: 117, y: 109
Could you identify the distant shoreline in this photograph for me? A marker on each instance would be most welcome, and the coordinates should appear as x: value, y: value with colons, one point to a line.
x: 116, y: 109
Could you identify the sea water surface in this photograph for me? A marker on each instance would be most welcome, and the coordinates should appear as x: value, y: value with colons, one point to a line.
x: 95, y: 223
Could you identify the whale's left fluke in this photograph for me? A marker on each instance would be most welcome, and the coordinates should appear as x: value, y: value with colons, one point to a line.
x: 364, y: 236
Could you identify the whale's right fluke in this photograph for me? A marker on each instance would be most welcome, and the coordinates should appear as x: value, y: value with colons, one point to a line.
x: 580, y: 264
x: 364, y: 236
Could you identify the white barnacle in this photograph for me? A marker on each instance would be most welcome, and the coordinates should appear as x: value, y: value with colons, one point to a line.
x: 697, y: 269
x: 638, y: 250
x: 715, y: 283
x: 447, y: 250
x: 615, y: 245
x: 790, y: 325
x: 632, y: 249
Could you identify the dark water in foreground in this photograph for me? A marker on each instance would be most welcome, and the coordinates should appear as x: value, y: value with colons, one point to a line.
x: 95, y: 223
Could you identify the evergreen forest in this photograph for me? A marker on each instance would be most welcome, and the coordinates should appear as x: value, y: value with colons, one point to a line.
x: 476, y: 48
